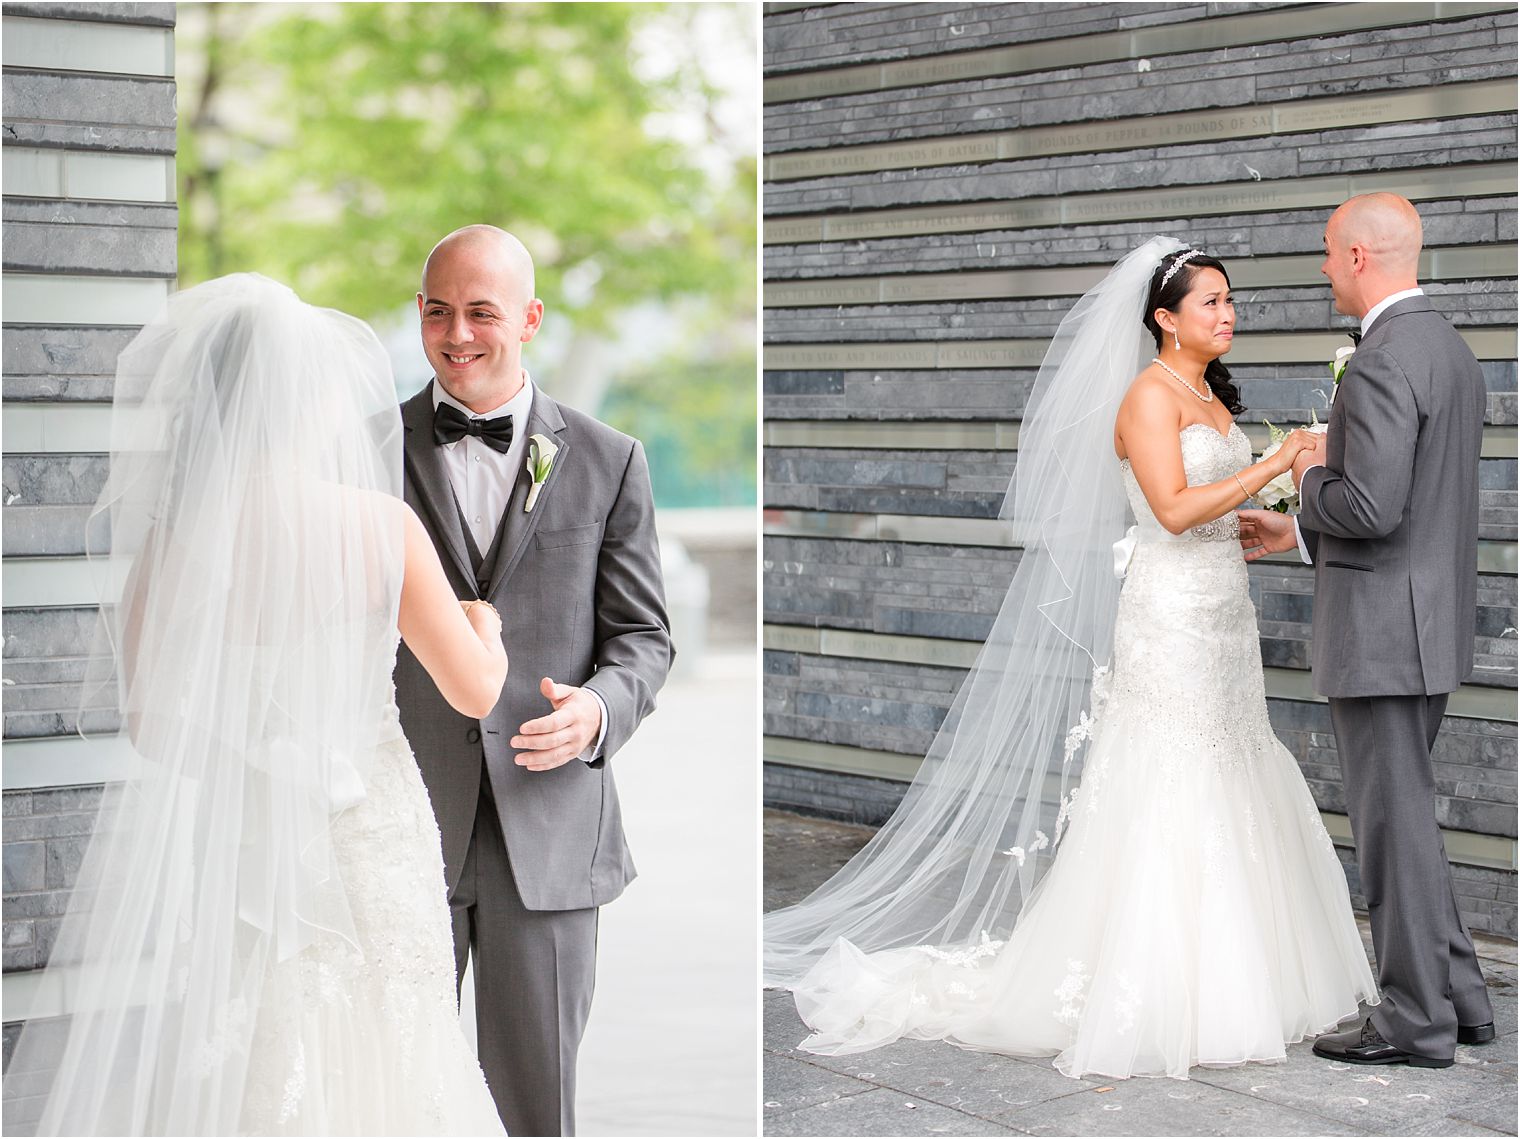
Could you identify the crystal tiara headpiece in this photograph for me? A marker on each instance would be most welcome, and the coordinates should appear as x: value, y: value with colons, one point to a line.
x: 1182, y: 260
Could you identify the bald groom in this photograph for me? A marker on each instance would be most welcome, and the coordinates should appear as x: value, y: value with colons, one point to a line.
x: 548, y: 515
x: 1389, y: 518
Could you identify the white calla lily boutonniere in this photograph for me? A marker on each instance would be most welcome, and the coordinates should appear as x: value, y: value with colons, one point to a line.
x: 1338, y: 368
x: 541, y: 452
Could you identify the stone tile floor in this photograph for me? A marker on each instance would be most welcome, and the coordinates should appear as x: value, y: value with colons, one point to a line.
x: 930, y: 1088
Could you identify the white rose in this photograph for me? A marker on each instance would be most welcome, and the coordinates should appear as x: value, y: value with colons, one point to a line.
x: 1279, y: 490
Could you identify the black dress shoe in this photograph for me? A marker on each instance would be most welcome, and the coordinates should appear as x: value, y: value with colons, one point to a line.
x: 1475, y: 1033
x: 1365, y: 1045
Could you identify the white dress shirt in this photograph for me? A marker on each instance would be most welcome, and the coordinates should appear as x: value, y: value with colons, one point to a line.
x: 483, y: 478
x: 1372, y: 314
x: 1392, y: 299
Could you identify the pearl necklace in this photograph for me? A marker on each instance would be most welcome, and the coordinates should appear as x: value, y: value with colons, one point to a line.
x: 1208, y: 398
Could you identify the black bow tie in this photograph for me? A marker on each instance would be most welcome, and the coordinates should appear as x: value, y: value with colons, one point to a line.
x: 1356, y: 338
x: 451, y: 425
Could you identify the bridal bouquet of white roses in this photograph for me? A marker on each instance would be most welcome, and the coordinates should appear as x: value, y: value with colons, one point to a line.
x: 1279, y: 494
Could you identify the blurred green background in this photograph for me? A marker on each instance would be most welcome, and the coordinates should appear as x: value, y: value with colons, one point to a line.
x: 330, y: 146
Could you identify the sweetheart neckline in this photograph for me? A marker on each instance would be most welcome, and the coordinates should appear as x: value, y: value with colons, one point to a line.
x: 1222, y: 434
x: 1234, y: 427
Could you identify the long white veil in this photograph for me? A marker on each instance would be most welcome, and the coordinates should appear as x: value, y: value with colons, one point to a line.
x: 255, y: 488
x: 981, y: 820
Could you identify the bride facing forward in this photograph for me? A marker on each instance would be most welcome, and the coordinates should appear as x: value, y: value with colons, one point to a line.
x: 1107, y: 856
x: 260, y: 939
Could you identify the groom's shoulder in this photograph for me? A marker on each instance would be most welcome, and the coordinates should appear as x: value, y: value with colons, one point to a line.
x: 1417, y: 325
x: 593, y: 431
x: 606, y: 456
x: 1413, y: 317
x: 1421, y: 344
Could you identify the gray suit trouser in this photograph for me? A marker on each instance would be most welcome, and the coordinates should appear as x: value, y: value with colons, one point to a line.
x: 534, y: 972
x: 1427, y: 970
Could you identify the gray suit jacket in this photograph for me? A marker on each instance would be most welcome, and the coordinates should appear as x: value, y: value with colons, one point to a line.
x: 578, y: 585
x: 1391, y: 519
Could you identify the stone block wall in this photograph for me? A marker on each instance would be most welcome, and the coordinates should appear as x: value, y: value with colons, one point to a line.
x: 942, y: 180
x: 90, y: 226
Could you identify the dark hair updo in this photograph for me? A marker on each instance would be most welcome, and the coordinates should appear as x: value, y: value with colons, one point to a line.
x: 1169, y: 296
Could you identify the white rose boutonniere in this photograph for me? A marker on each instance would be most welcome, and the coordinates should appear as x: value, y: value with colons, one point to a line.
x: 541, y: 452
x: 1279, y: 494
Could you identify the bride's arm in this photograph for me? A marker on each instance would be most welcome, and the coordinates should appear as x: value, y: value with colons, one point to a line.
x: 1148, y: 428
x: 462, y: 653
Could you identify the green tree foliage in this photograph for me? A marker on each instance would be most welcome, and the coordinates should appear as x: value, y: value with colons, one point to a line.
x: 692, y: 426
x: 383, y: 126
x: 329, y: 146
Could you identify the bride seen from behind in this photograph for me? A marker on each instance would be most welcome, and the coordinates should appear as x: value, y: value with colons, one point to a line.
x: 1107, y: 856
x: 259, y: 942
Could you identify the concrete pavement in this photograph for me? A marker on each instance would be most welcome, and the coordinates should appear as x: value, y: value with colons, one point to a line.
x: 670, y: 1047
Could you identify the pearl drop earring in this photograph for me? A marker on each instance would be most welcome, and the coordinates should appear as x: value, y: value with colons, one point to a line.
x: 1176, y: 341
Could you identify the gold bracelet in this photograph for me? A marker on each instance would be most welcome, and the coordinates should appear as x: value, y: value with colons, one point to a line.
x: 468, y: 605
x: 1242, y: 487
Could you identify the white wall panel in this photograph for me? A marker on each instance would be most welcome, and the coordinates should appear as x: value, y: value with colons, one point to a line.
x: 56, y: 301
x: 35, y: 172
x: 78, y: 45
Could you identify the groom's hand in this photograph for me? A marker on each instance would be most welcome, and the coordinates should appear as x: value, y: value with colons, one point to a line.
x: 1309, y: 457
x: 1264, y: 532
x: 564, y: 733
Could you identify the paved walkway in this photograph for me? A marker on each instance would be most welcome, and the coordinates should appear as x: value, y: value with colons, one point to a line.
x: 670, y: 1048
x: 930, y: 1088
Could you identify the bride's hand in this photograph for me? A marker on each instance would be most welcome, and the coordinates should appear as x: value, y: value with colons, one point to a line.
x: 1300, y: 439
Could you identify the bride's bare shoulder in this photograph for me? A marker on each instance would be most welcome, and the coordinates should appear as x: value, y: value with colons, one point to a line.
x: 1148, y: 396
x: 372, y: 507
x: 398, y: 511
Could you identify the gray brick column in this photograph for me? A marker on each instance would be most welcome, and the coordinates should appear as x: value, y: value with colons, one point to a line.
x: 942, y: 180
x: 89, y: 255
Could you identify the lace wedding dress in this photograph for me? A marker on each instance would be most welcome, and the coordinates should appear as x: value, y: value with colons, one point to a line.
x: 365, y: 1039
x: 1195, y: 912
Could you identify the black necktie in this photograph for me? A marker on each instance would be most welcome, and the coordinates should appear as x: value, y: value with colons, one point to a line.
x: 451, y: 425
x: 1356, y: 338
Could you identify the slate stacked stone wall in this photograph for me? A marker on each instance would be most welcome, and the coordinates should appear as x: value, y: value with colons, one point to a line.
x: 90, y: 228
x: 949, y: 177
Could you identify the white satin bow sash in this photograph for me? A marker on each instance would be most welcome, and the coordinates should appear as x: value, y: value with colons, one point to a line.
x: 1124, y: 550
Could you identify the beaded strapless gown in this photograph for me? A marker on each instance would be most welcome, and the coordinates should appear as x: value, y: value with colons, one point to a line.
x: 1195, y: 912
x: 365, y: 1039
